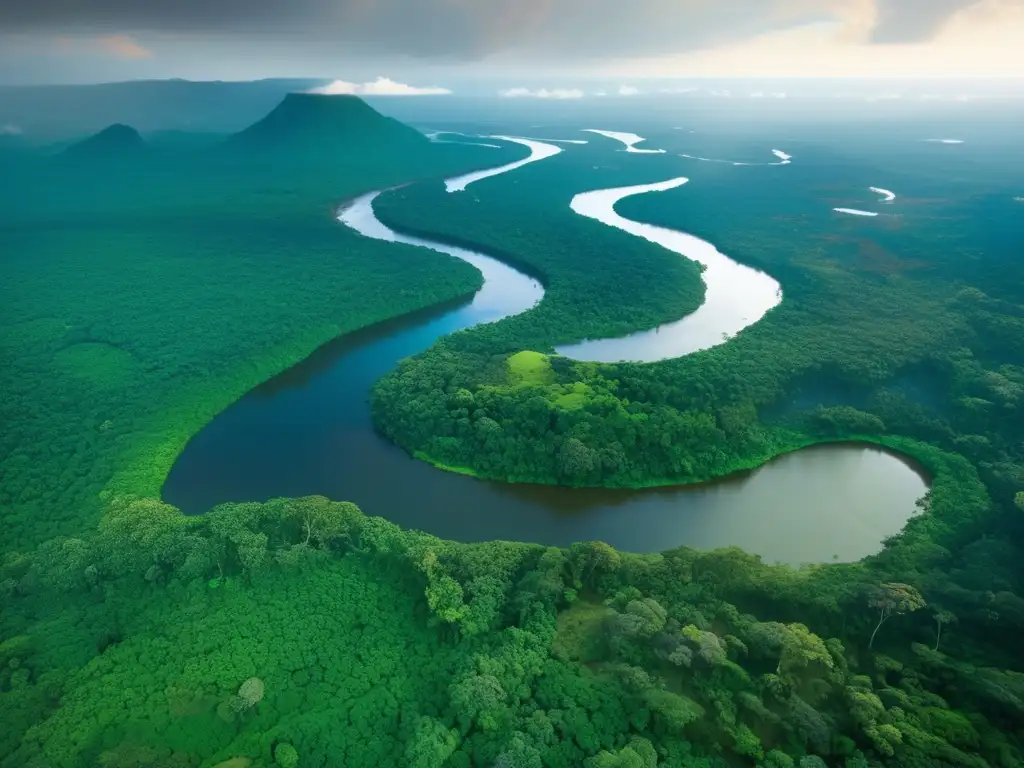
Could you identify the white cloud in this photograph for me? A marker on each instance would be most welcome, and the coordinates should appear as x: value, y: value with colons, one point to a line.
x: 10, y: 130
x: 628, y: 90
x: 118, y: 46
x: 543, y: 93
x: 382, y: 86
x: 982, y: 39
x: 337, y: 88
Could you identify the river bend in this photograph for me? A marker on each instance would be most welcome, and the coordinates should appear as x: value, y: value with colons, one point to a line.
x: 309, y: 431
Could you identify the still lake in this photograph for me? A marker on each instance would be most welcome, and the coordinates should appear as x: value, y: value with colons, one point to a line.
x: 308, y: 431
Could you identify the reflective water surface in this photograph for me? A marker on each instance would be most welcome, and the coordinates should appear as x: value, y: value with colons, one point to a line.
x: 308, y: 431
x: 735, y: 297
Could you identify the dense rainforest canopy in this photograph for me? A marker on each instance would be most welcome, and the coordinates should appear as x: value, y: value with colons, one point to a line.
x: 143, y: 296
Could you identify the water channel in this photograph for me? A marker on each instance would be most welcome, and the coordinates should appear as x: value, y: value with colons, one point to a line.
x: 308, y: 431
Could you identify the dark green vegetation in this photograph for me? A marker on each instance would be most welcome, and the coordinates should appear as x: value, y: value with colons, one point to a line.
x: 321, y: 126
x: 115, y: 141
x: 177, y: 641
x: 47, y: 113
x: 140, y: 298
x: 844, y: 356
x: 908, y: 334
x: 142, y: 295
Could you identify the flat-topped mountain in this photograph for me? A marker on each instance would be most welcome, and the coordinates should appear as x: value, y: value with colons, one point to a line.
x: 318, y: 124
x: 114, y: 141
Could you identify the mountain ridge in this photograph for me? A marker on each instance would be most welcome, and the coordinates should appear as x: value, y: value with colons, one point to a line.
x: 322, y: 124
x: 117, y: 140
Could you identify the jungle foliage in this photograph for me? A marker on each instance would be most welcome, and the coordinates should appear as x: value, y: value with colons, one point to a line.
x: 846, y: 354
x: 145, y: 290
x: 142, y: 296
x: 301, y: 632
x: 907, y: 334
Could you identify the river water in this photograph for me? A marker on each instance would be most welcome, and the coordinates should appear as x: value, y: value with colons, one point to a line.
x: 308, y: 431
x: 736, y: 296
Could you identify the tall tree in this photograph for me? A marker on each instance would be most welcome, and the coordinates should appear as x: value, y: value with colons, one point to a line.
x: 431, y: 744
x: 942, y: 618
x: 893, y: 598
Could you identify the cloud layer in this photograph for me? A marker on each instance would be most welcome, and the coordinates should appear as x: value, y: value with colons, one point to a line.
x: 531, y: 43
x: 912, y: 21
x: 470, y: 29
x: 118, y: 46
x: 382, y: 86
x: 542, y: 93
x: 864, y: 38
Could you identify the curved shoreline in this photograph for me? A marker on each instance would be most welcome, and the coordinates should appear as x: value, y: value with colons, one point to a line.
x: 627, y: 139
x: 435, y: 137
x: 887, y: 446
x: 784, y: 159
x: 538, y: 151
x: 506, y: 291
x: 600, y: 205
x: 736, y: 296
x: 283, y: 427
x: 887, y: 196
x: 855, y: 211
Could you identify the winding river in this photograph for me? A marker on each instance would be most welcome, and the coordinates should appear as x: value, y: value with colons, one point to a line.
x: 629, y: 141
x: 736, y: 296
x: 784, y: 159
x: 309, y: 431
x: 538, y: 151
x: 887, y: 197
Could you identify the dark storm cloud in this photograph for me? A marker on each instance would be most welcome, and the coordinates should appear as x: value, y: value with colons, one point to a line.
x: 457, y: 29
x: 912, y: 21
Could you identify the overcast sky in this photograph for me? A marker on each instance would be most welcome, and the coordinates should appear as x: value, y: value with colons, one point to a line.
x: 431, y: 41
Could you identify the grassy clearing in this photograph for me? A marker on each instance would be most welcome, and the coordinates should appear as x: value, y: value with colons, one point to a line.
x: 529, y: 369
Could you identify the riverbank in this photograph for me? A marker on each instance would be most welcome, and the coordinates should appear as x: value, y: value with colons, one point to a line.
x: 698, y: 417
x: 248, y: 452
x: 913, y: 453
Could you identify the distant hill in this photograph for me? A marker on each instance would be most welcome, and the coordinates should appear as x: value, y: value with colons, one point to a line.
x: 55, y: 112
x: 114, y: 141
x: 316, y: 125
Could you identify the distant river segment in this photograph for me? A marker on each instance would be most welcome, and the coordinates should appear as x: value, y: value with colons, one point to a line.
x: 736, y: 296
x: 627, y: 139
x: 854, y: 212
x: 309, y: 431
x: 887, y: 197
x: 784, y: 159
x: 538, y: 151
